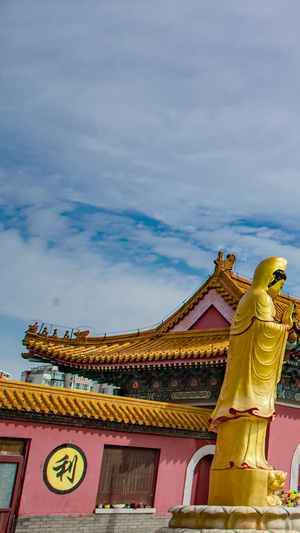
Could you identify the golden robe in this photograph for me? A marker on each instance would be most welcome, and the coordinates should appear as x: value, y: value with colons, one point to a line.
x: 255, y: 356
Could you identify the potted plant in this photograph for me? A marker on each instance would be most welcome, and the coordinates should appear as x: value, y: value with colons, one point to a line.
x: 133, y: 505
x: 289, y: 498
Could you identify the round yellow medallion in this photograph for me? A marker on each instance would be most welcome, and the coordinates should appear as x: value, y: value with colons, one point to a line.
x: 64, y: 469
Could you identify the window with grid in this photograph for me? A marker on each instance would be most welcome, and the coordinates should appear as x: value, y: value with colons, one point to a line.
x: 128, y: 475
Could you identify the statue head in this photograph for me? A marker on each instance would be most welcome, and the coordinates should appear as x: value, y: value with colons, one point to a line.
x: 275, y: 286
x: 270, y: 275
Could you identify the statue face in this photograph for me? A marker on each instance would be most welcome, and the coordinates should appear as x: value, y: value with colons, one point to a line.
x: 275, y: 289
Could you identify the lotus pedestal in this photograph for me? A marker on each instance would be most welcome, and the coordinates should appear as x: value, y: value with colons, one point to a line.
x: 217, y: 519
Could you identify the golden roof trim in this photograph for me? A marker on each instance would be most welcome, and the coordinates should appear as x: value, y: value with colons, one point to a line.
x: 172, y: 346
x: 21, y: 397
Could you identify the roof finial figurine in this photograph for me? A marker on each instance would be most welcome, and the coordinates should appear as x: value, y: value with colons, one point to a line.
x: 32, y: 328
x: 239, y: 472
x: 81, y: 335
x: 224, y: 264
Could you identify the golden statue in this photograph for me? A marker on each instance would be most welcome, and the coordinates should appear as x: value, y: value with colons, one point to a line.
x: 239, y: 472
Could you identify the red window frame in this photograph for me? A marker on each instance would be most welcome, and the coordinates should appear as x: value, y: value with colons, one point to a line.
x: 128, y: 475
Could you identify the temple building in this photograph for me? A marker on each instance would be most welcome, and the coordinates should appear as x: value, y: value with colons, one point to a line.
x: 101, y: 462
x: 182, y: 360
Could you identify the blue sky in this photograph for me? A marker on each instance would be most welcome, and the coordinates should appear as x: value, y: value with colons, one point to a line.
x: 137, y: 139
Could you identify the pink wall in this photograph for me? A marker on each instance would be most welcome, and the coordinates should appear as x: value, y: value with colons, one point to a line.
x: 284, y: 438
x: 175, y: 453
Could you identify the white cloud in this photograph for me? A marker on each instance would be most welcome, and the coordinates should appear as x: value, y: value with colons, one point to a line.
x: 182, y: 114
x: 83, y: 289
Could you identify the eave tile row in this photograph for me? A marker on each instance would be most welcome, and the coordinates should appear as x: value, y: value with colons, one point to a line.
x: 24, y: 397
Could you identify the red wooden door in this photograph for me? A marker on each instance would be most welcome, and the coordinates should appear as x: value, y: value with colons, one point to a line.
x: 12, y: 459
x: 10, y: 478
x: 201, y: 481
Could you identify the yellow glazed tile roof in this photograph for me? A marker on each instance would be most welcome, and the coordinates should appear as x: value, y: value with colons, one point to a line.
x: 135, y: 348
x: 21, y: 397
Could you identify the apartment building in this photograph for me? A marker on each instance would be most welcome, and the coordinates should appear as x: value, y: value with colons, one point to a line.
x: 50, y: 375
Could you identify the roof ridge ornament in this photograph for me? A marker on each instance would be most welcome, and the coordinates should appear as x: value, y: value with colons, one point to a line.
x: 32, y: 328
x: 224, y: 264
x: 81, y: 335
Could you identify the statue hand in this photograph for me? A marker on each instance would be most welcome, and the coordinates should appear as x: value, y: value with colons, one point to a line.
x: 287, y: 316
